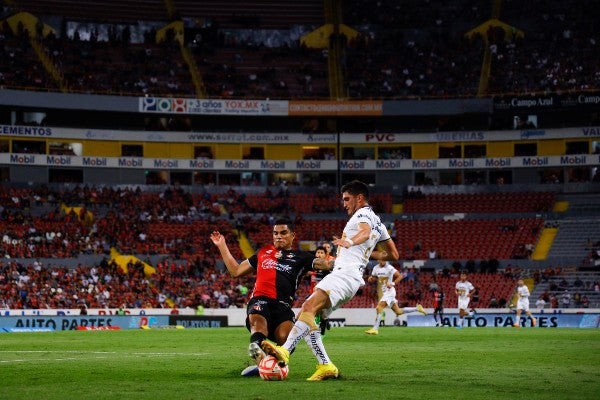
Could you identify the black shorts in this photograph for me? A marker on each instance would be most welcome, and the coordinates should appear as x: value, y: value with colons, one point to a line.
x: 275, y: 312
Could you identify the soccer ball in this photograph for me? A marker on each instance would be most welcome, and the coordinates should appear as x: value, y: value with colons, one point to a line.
x: 269, y: 369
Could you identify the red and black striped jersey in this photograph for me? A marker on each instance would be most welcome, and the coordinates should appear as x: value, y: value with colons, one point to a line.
x: 438, y: 299
x: 278, y: 272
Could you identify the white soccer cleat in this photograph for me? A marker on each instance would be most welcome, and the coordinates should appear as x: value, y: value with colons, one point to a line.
x: 255, y: 352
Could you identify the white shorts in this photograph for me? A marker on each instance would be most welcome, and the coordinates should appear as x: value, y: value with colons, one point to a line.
x: 340, y: 288
x: 389, y: 297
x: 523, y: 304
x: 463, y: 303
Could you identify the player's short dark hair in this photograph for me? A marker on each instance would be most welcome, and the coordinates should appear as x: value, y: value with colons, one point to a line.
x: 321, y: 248
x: 285, y: 221
x: 355, y: 188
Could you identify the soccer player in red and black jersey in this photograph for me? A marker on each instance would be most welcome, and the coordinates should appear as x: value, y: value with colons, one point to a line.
x: 279, y: 268
x: 438, y: 306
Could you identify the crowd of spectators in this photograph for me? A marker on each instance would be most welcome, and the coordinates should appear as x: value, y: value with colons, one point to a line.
x: 36, y: 224
x: 187, y: 274
x: 41, y: 222
x: 435, y: 58
x: 408, y: 49
x: 55, y: 223
x: 563, y: 291
x: 108, y: 286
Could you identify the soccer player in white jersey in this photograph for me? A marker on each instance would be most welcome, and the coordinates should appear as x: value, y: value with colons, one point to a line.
x: 387, y: 277
x: 464, y: 289
x: 523, y: 304
x: 362, y: 233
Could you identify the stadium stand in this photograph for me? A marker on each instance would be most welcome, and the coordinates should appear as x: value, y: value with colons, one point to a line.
x: 181, y: 236
x: 523, y: 202
x: 104, y: 10
x: 573, y: 238
x: 466, y: 239
x: 437, y: 57
x: 581, y: 288
x: 268, y: 14
x: 556, y: 53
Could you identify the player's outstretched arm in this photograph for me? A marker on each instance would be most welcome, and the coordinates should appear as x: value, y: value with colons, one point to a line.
x: 323, y: 264
x: 364, y: 231
x: 385, y: 250
x: 235, y: 269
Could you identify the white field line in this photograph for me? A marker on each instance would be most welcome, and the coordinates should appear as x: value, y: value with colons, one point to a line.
x: 68, y: 355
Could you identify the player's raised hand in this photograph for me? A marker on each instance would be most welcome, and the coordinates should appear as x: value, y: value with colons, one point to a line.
x: 217, y: 238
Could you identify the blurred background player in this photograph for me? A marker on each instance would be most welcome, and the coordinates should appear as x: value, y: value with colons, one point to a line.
x: 315, y: 277
x: 438, y: 306
x: 329, y: 250
x: 464, y: 289
x: 523, y: 304
x: 278, y: 269
x: 387, y: 277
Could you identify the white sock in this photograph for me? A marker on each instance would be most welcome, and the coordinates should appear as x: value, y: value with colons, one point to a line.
x: 377, y: 321
x: 314, y: 340
x: 299, y: 330
x: 409, y: 309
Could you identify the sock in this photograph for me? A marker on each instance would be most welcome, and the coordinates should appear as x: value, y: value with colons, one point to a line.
x: 315, y: 342
x: 462, y: 321
x: 257, y: 337
x: 377, y: 321
x: 298, y: 332
x: 409, y: 309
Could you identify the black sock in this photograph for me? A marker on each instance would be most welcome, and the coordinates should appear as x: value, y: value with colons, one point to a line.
x: 257, y: 337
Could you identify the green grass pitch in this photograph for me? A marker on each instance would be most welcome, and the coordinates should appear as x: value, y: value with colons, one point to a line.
x: 399, y: 363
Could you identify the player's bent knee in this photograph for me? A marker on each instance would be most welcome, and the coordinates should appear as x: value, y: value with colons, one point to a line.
x: 308, y: 319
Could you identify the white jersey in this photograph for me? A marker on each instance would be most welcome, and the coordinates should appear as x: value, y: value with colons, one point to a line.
x: 463, y: 289
x: 523, y: 292
x: 353, y: 260
x: 523, y: 301
x: 385, y: 275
